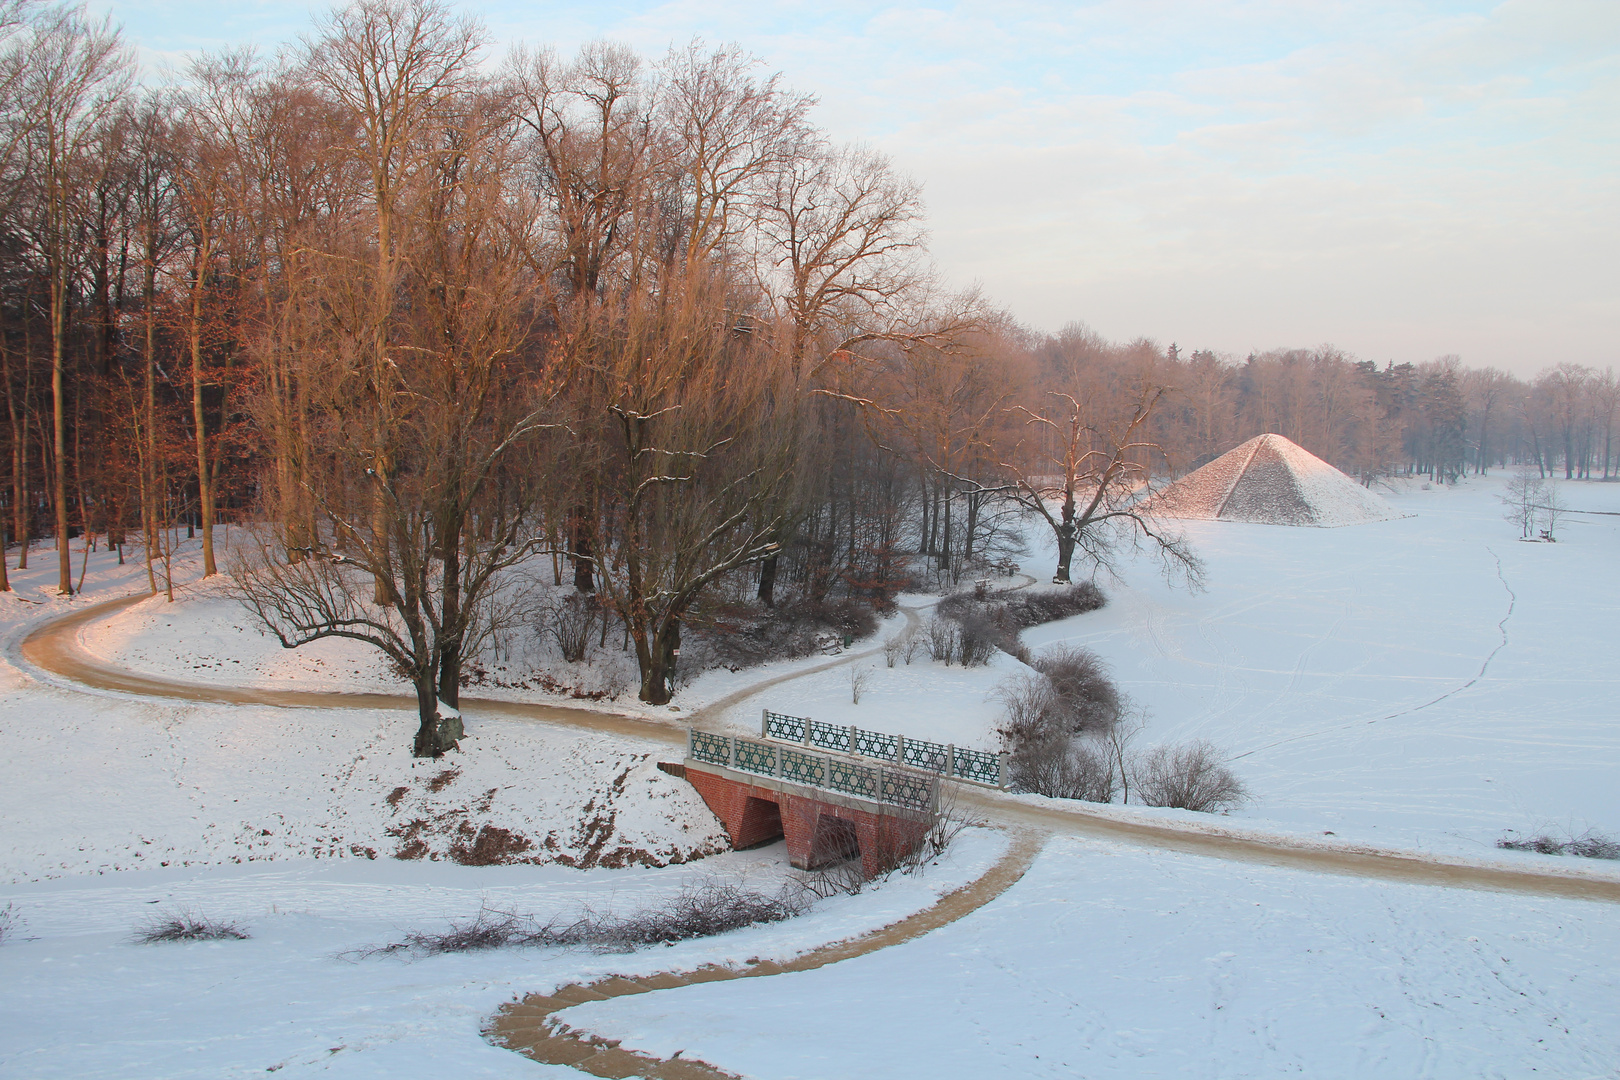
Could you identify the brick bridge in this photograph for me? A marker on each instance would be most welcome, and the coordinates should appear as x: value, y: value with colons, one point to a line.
x: 819, y: 826
x: 828, y: 808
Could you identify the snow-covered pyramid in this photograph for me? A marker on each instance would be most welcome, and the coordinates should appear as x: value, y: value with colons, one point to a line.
x: 1271, y: 481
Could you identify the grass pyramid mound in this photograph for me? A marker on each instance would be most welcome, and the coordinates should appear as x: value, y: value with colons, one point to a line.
x: 1271, y: 481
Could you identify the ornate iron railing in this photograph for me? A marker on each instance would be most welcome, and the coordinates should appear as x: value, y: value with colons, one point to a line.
x: 943, y: 759
x: 899, y: 787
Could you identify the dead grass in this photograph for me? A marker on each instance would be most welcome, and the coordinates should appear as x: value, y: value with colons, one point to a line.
x: 186, y: 925
x: 712, y: 906
x: 1588, y: 845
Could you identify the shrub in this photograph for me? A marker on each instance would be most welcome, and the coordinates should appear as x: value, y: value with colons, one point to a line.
x: 1064, y: 768
x: 943, y: 637
x: 8, y: 921
x: 997, y: 617
x: 978, y: 639
x: 1193, y: 776
x: 1082, y: 697
x: 707, y: 908
x: 188, y: 926
x: 1588, y: 845
x: 1058, y: 717
x: 742, y: 635
x: 571, y: 621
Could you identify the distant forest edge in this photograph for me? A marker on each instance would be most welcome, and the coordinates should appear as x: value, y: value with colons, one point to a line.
x: 418, y: 312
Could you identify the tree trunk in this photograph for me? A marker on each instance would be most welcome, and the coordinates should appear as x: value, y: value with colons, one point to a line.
x: 450, y: 616
x: 64, y: 561
x: 657, y: 658
x: 1066, y: 534
x: 767, y: 581
x: 205, y: 486
x: 581, y: 551
x: 426, y: 744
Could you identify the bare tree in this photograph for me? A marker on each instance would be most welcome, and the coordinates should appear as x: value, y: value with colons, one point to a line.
x: 1099, y: 474
x: 1520, y: 500
x: 426, y: 399
x: 698, y: 414
x: 75, y: 74
x: 1193, y: 776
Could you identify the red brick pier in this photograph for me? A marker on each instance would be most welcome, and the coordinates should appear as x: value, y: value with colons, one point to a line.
x: 820, y: 826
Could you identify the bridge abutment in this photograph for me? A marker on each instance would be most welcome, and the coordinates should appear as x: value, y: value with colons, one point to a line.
x: 818, y: 826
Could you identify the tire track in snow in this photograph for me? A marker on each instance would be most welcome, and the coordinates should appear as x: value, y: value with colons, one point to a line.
x: 1484, y: 666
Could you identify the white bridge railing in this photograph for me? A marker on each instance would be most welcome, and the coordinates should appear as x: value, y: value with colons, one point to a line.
x: 905, y: 788
x: 943, y: 759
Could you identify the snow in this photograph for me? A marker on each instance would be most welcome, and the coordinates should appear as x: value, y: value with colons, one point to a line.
x: 81, y: 999
x: 1108, y: 961
x: 1369, y: 683
x: 1270, y: 480
x: 1426, y: 682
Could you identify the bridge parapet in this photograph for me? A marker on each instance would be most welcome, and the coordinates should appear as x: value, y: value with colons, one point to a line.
x: 900, y: 788
x: 943, y: 759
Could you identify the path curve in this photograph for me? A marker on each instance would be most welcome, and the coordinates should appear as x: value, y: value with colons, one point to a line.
x: 53, y: 647
x: 531, y: 1028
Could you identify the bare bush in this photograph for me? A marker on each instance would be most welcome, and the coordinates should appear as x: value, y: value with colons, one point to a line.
x: 892, y: 648
x: 978, y: 640
x: 858, y: 678
x: 571, y: 621
x: 712, y: 906
x: 1064, y: 767
x: 943, y: 637
x: 703, y: 910
x: 993, y: 620
x: 1193, y: 776
x: 913, y: 644
x: 740, y: 636
x: 1059, y: 719
x: 1083, y: 699
x: 1589, y: 845
x: 8, y: 921
x: 186, y: 925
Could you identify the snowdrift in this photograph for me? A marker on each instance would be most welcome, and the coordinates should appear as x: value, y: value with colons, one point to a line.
x: 1270, y: 480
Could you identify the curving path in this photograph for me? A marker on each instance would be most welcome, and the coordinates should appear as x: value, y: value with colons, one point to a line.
x: 531, y: 1028
x: 54, y: 648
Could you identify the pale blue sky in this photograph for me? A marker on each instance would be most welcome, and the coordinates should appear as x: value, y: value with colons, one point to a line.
x: 1400, y: 179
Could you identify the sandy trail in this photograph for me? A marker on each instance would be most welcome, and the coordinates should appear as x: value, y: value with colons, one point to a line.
x: 54, y: 648
x: 530, y: 1027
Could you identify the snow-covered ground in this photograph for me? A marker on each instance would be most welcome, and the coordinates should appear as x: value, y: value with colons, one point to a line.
x: 1369, y: 681
x: 1114, y: 962
x: 1427, y: 682
x: 79, y: 998
x: 1431, y: 682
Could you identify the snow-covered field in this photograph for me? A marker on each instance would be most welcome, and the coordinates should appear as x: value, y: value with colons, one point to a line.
x: 80, y: 999
x: 1428, y: 682
x: 1114, y: 962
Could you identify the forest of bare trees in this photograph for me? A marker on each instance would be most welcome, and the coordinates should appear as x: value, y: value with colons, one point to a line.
x: 412, y: 312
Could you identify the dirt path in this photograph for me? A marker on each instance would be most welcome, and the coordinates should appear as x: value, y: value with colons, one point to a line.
x: 531, y: 1027
x: 54, y: 647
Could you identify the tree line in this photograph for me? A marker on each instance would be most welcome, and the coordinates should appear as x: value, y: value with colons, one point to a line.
x: 418, y: 314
